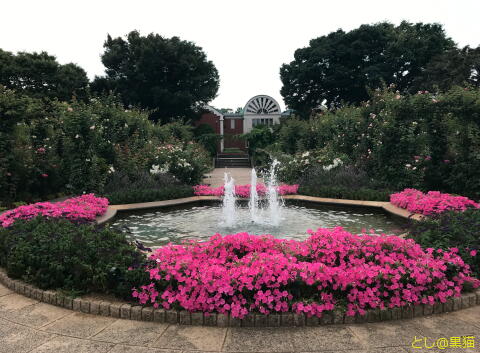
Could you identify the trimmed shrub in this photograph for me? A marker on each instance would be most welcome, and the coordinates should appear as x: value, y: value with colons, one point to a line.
x: 451, y: 230
x: 58, y: 254
x: 342, y: 182
x: 345, y: 193
x: 144, y: 187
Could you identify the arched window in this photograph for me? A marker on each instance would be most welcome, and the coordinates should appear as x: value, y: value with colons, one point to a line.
x: 262, y: 105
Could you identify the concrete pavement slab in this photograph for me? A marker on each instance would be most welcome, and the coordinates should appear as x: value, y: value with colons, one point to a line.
x: 192, y: 338
x: 260, y: 339
x: 80, y: 325
x: 62, y: 344
x: 131, y: 332
x: 19, y: 339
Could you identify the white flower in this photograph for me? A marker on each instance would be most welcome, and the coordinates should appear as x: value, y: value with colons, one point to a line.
x: 306, y: 154
x: 336, y: 162
x: 408, y: 165
x: 92, y: 127
x: 77, y: 136
x: 155, y: 169
x: 111, y: 170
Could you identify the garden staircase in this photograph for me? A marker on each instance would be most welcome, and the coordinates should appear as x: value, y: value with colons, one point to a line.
x: 232, y: 160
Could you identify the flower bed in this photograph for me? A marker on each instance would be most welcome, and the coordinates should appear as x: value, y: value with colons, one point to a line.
x: 82, y: 208
x: 243, y: 190
x: 432, y: 202
x: 333, y: 268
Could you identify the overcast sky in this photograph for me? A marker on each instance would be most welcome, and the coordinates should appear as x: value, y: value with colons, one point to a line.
x: 247, y: 40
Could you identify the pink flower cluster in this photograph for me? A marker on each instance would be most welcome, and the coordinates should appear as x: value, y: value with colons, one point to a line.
x: 432, y: 202
x: 244, y: 273
x: 243, y: 190
x: 82, y: 208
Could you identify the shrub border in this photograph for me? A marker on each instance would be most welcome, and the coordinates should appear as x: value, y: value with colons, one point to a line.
x: 124, y: 310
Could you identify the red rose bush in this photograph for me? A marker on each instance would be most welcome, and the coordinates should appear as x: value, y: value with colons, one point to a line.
x: 333, y: 268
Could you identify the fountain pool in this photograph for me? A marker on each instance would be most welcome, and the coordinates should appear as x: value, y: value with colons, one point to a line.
x: 269, y: 215
x: 201, y: 221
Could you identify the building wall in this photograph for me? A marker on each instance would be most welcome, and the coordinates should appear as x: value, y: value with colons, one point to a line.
x: 209, y: 119
x: 248, y: 119
x: 229, y: 133
x: 242, y: 125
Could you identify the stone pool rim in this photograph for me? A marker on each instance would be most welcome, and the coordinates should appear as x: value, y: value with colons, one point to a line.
x: 385, y: 206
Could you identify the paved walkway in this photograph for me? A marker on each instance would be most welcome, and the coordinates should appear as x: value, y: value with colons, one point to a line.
x: 30, y: 326
x: 241, y: 175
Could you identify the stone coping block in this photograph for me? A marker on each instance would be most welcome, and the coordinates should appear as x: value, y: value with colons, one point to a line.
x: 386, y: 206
x: 134, y: 311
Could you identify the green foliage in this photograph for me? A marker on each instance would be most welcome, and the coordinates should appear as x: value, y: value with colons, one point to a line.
x: 341, y: 66
x: 425, y: 141
x: 148, y: 195
x: 260, y: 136
x: 144, y: 187
x: 57, y: 254
x: 206, y: 136
x: 39, y: 75
x: 49, y: 148
x: 451, y: 229
x: 166, y: 75
x: 29, y: 163
x: 340, y: 192
x: 341, y: 182
x: 451, y: 68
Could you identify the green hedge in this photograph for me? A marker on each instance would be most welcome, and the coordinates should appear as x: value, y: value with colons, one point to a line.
x: 345, y: 193
x: 451, y: 229
x: 148, y: 195
x: 79, y: 258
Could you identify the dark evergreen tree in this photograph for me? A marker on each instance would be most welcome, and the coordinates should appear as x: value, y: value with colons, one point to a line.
x: 39, y: 75
x: 169, y: 76
x: 343, y: 66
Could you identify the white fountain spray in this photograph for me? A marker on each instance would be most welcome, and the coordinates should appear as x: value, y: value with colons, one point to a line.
x: 274, y: 202
x: 253, y: 202
x: 229, y: 201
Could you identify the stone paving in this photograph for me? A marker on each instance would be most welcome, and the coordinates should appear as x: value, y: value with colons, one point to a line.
x: 27, y: 325
x: 241, y: 176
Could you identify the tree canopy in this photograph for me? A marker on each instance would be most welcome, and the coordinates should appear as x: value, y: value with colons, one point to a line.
x: 169, y: 76
x: 39, y: 75
x: 452, y: 68
x: 341, y: 67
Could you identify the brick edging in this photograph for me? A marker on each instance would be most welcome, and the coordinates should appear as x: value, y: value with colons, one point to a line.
x: 141, y: 313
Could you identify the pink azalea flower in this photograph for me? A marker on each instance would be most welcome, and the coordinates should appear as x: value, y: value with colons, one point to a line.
x: 82, y: 208
x: 242, y: 273
x: 432, y: 202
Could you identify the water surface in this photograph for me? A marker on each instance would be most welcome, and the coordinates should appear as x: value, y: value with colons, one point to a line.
x: 161, y: 226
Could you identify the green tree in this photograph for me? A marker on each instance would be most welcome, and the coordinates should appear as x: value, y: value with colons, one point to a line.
x: 342, y: 66
x: 39, y: 75
x: 169, y: 76
x: 455, y: 67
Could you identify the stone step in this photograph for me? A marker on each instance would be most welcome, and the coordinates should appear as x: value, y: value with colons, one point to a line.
x: 221, y: 164
x: 232, y: 155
